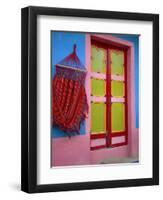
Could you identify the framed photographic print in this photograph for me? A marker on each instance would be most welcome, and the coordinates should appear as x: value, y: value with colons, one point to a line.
x: 90, y: 99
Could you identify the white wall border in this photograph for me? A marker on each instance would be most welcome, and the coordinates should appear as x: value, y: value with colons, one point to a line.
x: 47, y: 175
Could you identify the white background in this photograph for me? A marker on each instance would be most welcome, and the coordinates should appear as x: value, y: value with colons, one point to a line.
x: 10, y: 79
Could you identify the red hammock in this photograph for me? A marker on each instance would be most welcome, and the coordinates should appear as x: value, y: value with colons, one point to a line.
x: 69, y: 101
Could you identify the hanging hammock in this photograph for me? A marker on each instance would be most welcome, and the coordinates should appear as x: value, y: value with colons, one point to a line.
x: 69, y: 101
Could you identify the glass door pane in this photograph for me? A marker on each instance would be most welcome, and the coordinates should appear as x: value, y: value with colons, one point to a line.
x: 98, y: 118
x: 117, y: 88
x: 117, y: 62
x: 118, y: 117
x: 98, y: 87
x: 98, y: 59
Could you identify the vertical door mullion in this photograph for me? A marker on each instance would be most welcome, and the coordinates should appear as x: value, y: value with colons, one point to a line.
x: 108, y: 100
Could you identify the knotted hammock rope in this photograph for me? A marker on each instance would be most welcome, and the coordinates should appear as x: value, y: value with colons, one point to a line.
x: 69, y: 101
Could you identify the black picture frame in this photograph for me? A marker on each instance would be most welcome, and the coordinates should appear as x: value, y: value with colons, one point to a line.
x: 29, y: 99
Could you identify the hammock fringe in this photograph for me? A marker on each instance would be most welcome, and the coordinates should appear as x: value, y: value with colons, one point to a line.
x: 70, y: 106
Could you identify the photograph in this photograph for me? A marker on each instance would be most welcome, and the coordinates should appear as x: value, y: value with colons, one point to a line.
x: 94, y: 98
x: 90, y: 99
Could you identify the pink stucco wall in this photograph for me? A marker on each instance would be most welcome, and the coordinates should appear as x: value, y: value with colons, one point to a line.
x: 70, y: 151
x: 76, y: 151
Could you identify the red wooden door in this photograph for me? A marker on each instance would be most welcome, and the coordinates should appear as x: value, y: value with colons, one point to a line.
x: 108, y: 96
